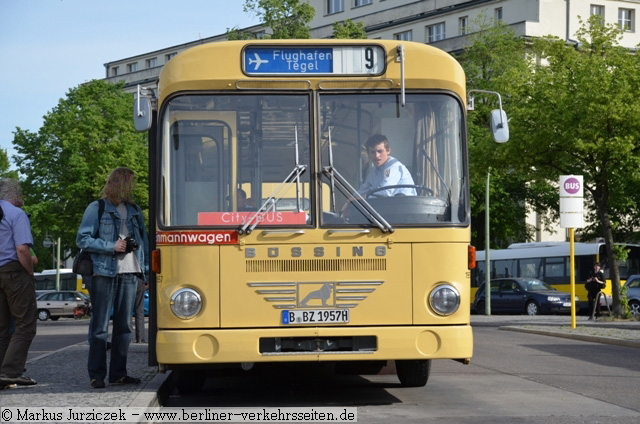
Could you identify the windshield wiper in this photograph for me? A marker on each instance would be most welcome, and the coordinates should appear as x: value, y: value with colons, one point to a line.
x: 270, y: 203
x: 358, y: 201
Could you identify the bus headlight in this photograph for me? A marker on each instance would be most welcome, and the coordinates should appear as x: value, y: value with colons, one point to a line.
x: 186, y: 303
x: 444, y: 299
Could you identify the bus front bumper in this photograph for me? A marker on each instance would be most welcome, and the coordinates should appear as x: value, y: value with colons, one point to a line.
x: 203, y: 346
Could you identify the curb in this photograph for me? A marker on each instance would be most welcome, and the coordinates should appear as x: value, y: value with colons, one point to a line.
x: 150, y: 394
x: 581, y: 337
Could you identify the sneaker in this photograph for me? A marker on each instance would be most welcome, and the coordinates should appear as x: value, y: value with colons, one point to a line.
x: 126, y: 380
x: 96, y: 383
x: 20, y: 381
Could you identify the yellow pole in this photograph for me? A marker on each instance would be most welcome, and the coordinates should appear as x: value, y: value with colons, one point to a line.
x: 573, y: 278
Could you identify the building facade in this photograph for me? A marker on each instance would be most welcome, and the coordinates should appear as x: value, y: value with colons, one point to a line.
x: 445, y: 24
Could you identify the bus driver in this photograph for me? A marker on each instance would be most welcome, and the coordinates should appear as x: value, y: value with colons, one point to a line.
x: 386, y: 170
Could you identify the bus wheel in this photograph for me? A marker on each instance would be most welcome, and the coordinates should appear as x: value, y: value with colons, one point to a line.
x: 43, y: 315
x: 634, y: 308
x: 189, y: 381
x: 532, y: 308
x: 413, y: 373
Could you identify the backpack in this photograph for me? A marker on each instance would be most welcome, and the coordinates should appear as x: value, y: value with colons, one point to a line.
x: 82, y: 263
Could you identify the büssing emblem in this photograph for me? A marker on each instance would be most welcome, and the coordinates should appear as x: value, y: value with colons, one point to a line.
x: 322, y: 294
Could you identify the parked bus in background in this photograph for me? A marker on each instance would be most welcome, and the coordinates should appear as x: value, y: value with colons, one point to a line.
x: 264, y: 249
x: 46, y: 281
x: 550, y: 262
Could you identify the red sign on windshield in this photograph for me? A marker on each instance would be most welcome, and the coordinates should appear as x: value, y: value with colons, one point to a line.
x: 241, y: 218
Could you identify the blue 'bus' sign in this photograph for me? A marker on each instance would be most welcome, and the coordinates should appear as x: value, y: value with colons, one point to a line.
x: 288, y: 60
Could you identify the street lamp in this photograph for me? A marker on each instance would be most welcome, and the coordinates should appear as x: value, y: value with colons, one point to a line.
x: 500, y: 133
x: 50, y: 242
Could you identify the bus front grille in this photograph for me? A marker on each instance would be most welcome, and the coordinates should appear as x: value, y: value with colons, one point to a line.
x: 315, y: 265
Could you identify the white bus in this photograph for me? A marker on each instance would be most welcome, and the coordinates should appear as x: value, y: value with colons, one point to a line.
x: 550, y: 262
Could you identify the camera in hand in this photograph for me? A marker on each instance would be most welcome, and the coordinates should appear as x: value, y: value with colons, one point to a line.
x: 132, y: 244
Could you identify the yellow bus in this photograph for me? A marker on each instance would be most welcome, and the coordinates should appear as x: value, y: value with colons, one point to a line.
x: 550, y: 262
x: 307, y: 268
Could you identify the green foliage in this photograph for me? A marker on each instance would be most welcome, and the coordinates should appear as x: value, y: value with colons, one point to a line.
x: 494, y: 61
x: 4, y: 166
x: 286, y: 18
x: 577, y: 114
x: 624, y: 301
x: 237, y: 34
x: 66, y: 163
x: 349, y: 29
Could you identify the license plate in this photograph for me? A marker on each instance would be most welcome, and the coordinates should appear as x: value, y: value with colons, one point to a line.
x: 324, y: 316
x: 566, y: 304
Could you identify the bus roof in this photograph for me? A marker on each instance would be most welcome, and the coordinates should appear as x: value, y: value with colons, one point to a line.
x: 54, y: 271
x: 218, y: 66
x: 543, y: 250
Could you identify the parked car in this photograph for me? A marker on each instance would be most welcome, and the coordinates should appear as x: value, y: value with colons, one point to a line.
x: 58, y: 304
x: 633, y: 294
x: 523, y: 295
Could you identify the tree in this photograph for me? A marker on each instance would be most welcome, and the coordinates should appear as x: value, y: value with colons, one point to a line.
x: 577, y: 114
x: 4, y: 166
x: 286, y: 18
x: 66, y: 163
x: 349, y: 29
x: 495, y: 60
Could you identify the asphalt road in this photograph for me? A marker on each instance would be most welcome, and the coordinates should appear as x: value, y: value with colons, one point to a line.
x: 513, y: 378
x: 55, y: 335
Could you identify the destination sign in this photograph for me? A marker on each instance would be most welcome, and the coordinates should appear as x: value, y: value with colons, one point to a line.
x: 338, y: 60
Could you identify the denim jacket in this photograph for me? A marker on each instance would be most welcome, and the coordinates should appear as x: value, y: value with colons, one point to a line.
x: 101, y: 243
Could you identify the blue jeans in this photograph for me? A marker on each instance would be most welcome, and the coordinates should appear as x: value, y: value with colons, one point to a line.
x: 107, y: 293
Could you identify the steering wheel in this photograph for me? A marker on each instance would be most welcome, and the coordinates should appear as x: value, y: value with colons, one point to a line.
x: 371, y: 192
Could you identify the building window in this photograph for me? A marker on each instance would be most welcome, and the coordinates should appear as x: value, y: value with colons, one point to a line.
x: 132, y: 67
x: 362, y: 2
x: 152, y: 63
x: 335, y: 6
x: 404, y: 36
x: 463, y: 25
x: 597, y: 10
x: 497, y: 14
x: 114, y: 71
x: 260, y: 34
x: 169, y: 56
x: 626, y: 19
x: 435, y: 32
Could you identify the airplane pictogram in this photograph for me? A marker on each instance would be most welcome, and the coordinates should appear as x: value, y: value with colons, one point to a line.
x: 258, y: 61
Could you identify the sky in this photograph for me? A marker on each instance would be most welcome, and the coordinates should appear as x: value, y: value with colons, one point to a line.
x: 50, y: 46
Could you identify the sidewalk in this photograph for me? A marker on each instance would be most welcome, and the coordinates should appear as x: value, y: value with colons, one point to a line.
x: 603, y: 330
x: 63, y: 381
x: 62, y: 377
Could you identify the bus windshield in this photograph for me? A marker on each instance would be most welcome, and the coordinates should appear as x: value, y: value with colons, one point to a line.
x: 422, y: 181
x: 225, y: 157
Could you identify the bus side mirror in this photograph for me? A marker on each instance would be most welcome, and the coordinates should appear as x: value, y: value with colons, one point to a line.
x: 499, y: 126
x: 142, y: 113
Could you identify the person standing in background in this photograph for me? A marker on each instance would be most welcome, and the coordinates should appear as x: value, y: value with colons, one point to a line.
x: 117, y: 242
x: 17, y: 288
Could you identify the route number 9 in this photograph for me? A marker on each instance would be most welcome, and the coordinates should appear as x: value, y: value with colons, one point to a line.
x: 368, y: 57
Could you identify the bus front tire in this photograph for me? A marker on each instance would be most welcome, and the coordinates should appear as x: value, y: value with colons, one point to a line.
x: 414, y: 372
x: 189, y: 381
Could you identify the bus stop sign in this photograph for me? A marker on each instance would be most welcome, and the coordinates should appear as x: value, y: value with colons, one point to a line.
x: 571, y: 201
